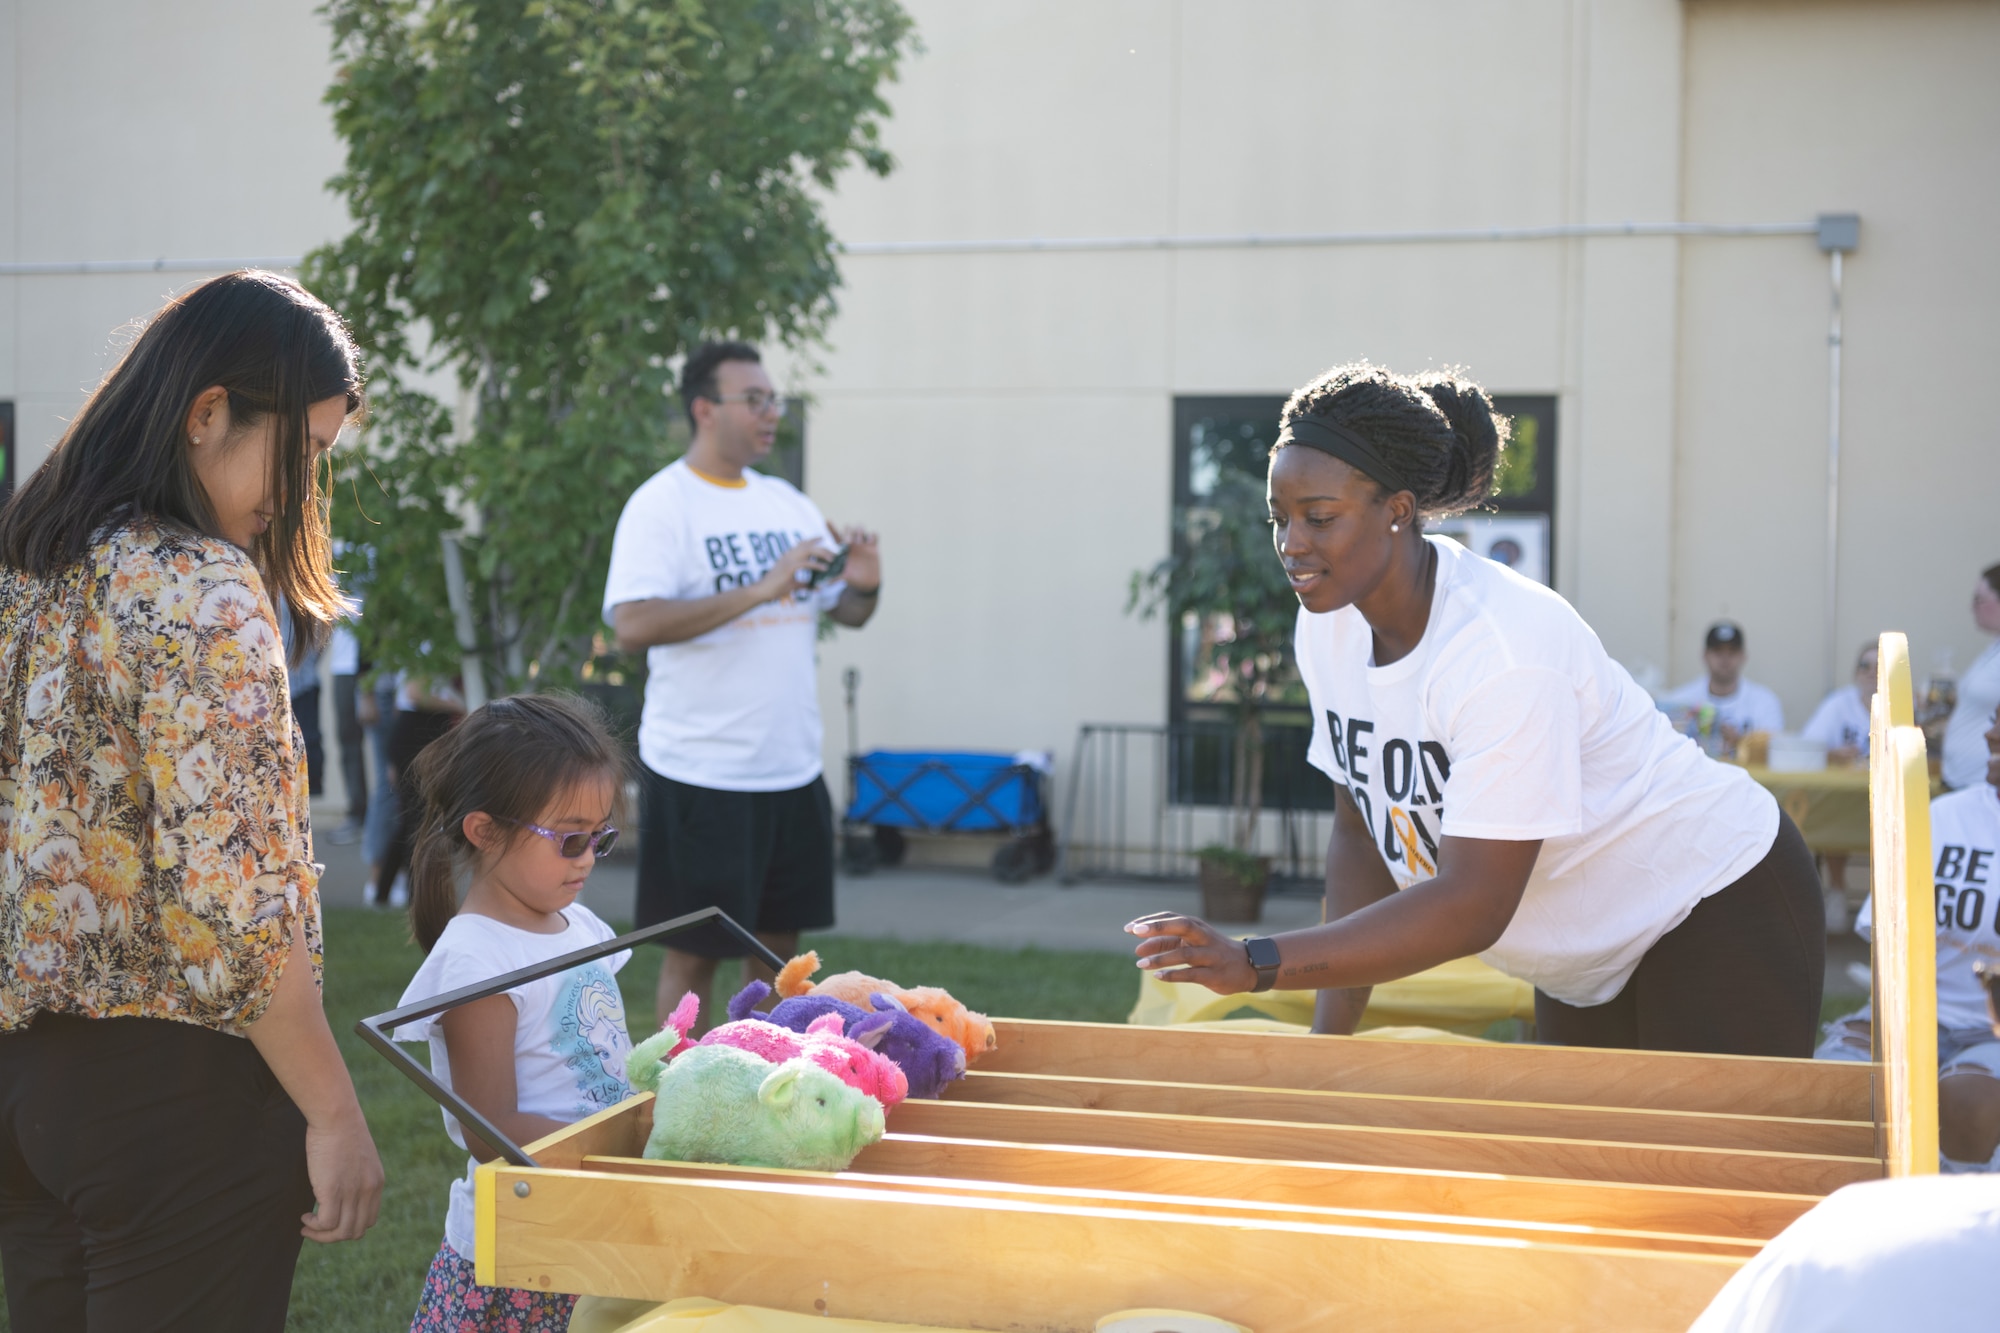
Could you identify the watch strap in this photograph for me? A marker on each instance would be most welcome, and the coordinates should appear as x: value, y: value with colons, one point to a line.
x: 1263, y: 952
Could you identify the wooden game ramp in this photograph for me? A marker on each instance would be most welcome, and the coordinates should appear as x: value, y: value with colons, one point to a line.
x: 1619, y: 1197
x: 1283, y: 1182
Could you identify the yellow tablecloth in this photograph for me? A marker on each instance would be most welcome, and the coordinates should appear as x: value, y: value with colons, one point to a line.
x: 695, y: 1314
x: 1463, y: 996
x: 1830, y: 806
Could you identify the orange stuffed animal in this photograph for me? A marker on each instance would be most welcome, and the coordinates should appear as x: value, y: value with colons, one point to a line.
x: 935, y: 1005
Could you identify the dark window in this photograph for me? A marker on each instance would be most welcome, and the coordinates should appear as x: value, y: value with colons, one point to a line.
x: 1517, y: 527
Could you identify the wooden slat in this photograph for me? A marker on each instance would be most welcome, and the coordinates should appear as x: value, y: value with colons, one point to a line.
x: 996, y: 1264
x: 617, y: 1131
x: 1573, y: 1076
x: 1752, y: 1214
x: 1195, y: 1205
x: 1574, y: 1159
x: 1706, y: 1129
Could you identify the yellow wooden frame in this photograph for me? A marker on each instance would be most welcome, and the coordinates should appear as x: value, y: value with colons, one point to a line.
x: 1905, y: 915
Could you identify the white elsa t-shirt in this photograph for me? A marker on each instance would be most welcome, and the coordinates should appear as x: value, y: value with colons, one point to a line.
x: 570, y: 1041
x: 1508, y: 721
x: 1965, y: 839
x: 736, y: 709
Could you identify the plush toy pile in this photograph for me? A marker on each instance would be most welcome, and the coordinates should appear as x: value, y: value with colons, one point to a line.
x: 934, y: 1005
x: 927, y: 1057
x: 806, y: 1086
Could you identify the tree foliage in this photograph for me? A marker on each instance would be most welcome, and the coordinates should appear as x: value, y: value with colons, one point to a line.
x: 554, y: 199
x: 1223, y: 572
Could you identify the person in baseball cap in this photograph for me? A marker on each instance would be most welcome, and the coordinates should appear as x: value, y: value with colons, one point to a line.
x: 1740, y: 703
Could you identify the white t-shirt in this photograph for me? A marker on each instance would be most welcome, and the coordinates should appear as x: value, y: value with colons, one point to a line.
x: 1840, y: 720
x: 736, y: 709
x: 1965, y: 838
x: 1915, y: 1253
x: 570, y: 1041
x: 1751, y: 707
x: 1965, y: 731
x: 1509, y: 721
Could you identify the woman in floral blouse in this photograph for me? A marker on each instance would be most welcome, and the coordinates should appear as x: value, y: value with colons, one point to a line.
x: 159, y: 904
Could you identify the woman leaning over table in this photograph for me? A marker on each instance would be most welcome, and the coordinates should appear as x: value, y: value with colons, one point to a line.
x: 1503, y: 787
x: 174, y: 1115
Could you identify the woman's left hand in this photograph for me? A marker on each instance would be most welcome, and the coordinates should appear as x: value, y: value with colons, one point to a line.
x: 1196, y: 950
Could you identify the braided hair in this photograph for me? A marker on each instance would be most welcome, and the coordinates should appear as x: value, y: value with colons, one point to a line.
x: 1437, y: 429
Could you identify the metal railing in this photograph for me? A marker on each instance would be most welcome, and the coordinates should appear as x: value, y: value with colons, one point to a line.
x: 1142, y: 799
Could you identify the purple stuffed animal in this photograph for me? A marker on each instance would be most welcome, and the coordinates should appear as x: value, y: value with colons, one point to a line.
x: 927, y: 1057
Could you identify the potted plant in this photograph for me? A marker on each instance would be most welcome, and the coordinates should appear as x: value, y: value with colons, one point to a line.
x: 1224, y: 575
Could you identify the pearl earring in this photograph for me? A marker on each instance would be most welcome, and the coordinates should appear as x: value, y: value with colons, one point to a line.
x: 1395, y: 527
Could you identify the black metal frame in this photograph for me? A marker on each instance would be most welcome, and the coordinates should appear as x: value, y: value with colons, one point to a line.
x: 375, y: 1031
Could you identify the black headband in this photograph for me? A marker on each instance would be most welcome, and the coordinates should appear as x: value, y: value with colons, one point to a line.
x: 1345, y: 445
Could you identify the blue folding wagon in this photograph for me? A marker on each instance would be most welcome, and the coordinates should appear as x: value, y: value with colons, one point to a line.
x: 946, y: 791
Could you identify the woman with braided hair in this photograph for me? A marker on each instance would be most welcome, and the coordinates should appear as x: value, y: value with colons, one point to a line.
x: 1504, y: 788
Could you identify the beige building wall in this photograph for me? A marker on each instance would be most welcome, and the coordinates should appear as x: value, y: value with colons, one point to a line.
x: 1891, y: 111
x: 132, y: 130
x: 1006, y: 419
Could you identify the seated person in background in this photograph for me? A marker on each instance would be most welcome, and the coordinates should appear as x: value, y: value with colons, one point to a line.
x: 1965, y: 834
x: 1740, y: 703
x: 1841, y: 720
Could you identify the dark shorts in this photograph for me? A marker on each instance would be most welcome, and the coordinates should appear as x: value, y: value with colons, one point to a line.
x: 1742, y: 975
x: 764, y: 857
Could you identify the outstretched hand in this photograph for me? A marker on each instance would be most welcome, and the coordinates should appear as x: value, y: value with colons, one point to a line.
x: 1195, y: 950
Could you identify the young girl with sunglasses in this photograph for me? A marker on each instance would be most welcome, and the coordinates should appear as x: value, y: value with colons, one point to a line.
x: 521, y: 796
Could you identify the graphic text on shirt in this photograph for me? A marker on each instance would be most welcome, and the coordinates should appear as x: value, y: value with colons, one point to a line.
x: 1964, y: 876
x: 739, y: 559
x: 1411, y: 777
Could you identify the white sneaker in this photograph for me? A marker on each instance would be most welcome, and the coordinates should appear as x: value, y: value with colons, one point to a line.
x: 399, y: 892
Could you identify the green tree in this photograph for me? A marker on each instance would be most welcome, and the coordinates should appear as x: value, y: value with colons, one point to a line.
x: 553, y: 199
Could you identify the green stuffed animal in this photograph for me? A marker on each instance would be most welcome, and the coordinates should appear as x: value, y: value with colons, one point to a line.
x: 722, y: 1104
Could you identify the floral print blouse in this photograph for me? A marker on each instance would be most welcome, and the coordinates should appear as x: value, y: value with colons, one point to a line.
x: 155, y: 851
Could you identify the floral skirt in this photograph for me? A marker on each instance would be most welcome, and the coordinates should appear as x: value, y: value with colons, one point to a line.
x: 453, y: 1303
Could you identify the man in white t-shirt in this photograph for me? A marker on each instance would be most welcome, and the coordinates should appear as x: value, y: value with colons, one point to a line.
x: 720, y: 573
x: 1740, y: 703
x: 1965, y: 838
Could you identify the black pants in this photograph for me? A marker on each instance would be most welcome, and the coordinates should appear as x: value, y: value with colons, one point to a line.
x: 764, y: 857
x: 1741, y: 976
x: 305, y: 707
x: 353, y: 754
x: 152, y: 1177
x: 408, y: 738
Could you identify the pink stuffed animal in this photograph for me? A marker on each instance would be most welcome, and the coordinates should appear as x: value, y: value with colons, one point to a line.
x: 848, y: 1059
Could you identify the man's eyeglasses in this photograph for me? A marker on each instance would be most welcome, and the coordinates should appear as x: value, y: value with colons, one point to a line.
x: 757, y: 401
x: 572, y: 845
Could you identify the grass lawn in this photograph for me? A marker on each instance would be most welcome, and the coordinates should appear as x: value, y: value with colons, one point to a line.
x: 371, y: 1285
